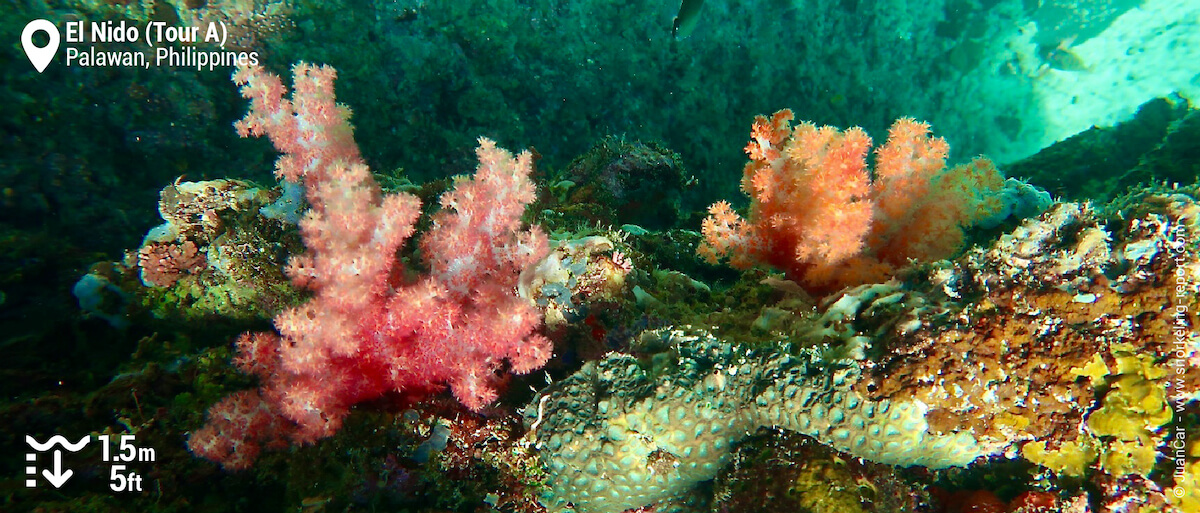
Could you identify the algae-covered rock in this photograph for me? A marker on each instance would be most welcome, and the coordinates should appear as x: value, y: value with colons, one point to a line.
x: 623, y: 182
x: 1158, y: 144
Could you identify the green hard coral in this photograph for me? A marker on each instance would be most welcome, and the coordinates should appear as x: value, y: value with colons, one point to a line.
x: 614, y: 436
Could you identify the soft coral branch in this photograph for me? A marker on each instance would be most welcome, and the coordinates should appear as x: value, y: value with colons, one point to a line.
x: 365, y: 332
x: 817, y: 214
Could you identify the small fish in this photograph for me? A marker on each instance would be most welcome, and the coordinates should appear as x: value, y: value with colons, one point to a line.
x: 314, y: 504
x: 1060, y: 57
x: 685, y: 22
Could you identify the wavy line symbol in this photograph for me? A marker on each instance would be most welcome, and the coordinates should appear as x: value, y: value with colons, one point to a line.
x: 58, y: 440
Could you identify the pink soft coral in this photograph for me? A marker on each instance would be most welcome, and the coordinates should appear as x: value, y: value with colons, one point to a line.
x: 367, y: 331
x: 817, y: 214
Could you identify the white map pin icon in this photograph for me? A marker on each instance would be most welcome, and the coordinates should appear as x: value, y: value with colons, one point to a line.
x: 40, y: 57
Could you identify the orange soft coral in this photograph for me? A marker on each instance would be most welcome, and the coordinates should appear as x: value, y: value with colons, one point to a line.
x: 817, y: 214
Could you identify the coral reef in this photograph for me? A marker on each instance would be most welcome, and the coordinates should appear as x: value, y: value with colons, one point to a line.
x: 1051, y: 367
x: 1067, y: 321
x: 1070, y: 325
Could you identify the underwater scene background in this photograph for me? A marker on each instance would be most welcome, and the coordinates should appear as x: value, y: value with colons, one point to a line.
x: 600, y: 256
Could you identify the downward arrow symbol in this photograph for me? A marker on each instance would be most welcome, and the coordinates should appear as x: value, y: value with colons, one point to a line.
x: 59, y: 476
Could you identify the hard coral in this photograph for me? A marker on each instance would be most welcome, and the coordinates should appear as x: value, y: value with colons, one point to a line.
x: 616, y: 435
x: 817, y: 213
